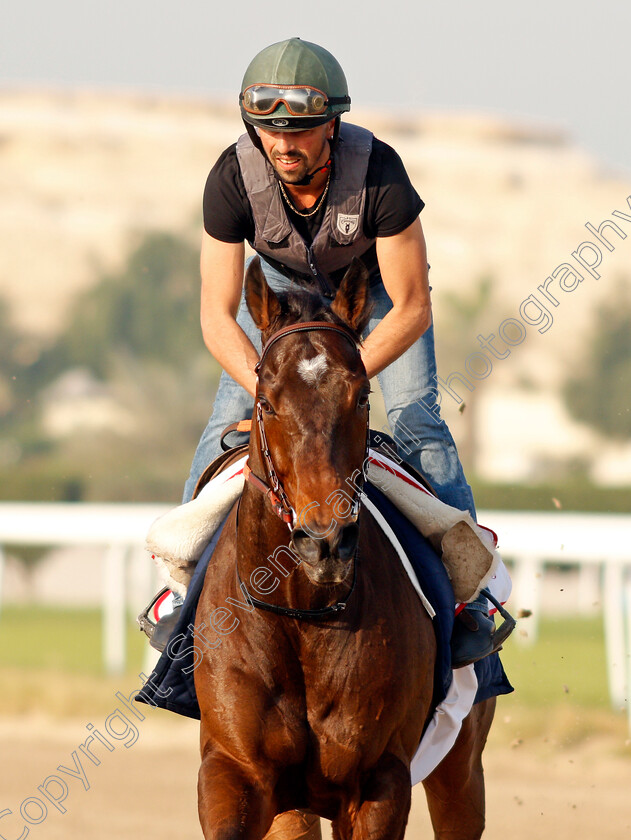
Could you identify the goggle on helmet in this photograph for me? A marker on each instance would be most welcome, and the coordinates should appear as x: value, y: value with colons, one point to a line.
x: 292, y: 86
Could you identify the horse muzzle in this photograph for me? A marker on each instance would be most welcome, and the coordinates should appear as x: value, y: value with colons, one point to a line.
x: 327, y: 559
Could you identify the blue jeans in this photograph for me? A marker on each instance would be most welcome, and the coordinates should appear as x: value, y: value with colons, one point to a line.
x: 409, y: 392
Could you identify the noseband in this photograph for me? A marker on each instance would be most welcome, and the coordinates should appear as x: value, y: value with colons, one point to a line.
x: 273, y: 488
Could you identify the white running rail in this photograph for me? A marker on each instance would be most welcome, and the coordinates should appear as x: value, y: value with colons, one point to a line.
x: 598, y: 544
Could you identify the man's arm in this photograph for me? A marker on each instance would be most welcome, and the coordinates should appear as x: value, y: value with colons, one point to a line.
x: 403, y: 264
x: 221, y: 268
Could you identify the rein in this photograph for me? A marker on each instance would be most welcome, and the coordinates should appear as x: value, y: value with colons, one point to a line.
x: 273, y: 489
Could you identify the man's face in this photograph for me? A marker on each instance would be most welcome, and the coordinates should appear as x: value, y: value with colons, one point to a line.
x: 293, y: 154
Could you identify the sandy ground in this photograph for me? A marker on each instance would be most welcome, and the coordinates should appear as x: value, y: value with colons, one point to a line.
x: 535, y: 790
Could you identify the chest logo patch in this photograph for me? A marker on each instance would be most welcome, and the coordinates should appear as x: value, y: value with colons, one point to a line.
x: 347, y: 224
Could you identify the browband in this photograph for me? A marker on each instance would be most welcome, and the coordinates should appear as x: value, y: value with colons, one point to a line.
x: 306, y: 326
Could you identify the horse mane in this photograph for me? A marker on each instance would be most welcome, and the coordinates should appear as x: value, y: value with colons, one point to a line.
x: 301, y: 305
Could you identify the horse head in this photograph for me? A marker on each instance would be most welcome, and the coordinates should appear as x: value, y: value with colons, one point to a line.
x: 311, y: 414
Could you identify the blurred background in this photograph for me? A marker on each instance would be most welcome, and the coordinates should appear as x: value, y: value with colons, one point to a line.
x: 513, y: 124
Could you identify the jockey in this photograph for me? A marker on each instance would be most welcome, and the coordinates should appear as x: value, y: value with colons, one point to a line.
x: 309, y: 193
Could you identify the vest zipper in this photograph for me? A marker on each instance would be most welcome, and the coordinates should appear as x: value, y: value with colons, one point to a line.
x: 325, y: 287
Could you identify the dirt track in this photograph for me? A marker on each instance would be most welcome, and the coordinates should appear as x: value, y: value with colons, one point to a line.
x: 534, y: 790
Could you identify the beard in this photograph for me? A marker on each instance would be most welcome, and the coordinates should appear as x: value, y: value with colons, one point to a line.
x: 294, y: 175
x: 304, y: 165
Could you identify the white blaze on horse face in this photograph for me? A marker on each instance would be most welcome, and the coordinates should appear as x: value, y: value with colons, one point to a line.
x: 312, y: 370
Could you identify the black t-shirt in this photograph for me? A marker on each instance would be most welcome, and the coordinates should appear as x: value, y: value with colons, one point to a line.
x: 392, y: 203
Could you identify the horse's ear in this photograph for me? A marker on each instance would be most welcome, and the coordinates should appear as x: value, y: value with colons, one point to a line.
x: 352, y: 301
x: 261, y: 300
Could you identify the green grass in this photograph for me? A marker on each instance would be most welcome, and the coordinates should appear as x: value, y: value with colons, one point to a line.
x: 51, y: 661
x: 573, y: 493
x: 561, y: 699
x: 65, y: 640
x: 567, y: 662
x: 566, y: 665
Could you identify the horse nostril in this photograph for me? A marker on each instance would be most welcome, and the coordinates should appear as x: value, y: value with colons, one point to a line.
x: 307, y: 548
x: 348, y: 541
x: 312, y: 551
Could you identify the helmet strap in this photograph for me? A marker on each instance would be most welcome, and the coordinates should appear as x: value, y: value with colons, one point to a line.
x: 256, y: 140
x: 336, y: 134
x: 304, y: 182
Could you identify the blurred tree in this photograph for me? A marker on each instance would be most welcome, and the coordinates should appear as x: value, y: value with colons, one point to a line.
x: 18, y: 354
x: 466, y: 316
x: 136, y: 330
x: 8, y: 340
x: 599, y: 391
x: 148, y: 311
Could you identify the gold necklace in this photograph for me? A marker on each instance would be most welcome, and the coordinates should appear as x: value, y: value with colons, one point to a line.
x: 315, y: 209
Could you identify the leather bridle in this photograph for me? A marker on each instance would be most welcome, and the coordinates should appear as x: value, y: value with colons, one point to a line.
x: 272, y: 487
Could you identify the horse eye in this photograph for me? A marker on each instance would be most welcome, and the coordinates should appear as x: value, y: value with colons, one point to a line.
x: 266, y: 406
x: 364, y: 398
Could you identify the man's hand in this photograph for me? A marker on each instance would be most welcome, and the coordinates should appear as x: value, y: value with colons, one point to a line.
x: 403, y: 264
x: 221, y: 268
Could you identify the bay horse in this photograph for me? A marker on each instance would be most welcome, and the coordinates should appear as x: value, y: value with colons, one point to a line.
x: 317, y: 697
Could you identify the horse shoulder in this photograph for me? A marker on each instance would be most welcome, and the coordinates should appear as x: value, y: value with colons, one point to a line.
x: 251, y: 705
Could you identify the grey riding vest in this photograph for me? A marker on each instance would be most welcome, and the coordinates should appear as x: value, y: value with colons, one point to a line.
x: 341, y: 235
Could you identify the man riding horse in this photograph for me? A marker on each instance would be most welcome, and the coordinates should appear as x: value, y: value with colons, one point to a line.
x: 309, y: 193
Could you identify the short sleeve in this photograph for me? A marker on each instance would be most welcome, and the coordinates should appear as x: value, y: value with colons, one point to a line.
x: 227, y: 213
x: 392, y: 202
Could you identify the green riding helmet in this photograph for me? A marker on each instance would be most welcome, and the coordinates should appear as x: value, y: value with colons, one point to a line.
x: 292, y: 86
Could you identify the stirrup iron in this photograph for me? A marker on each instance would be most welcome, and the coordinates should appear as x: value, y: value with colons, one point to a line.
x: 506, y: 627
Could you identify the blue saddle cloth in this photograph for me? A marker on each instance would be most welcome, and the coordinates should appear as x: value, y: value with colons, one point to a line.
x: 171, y: 685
